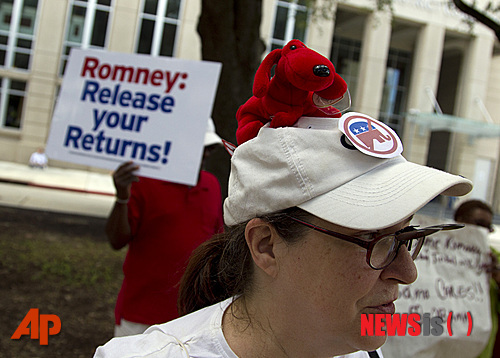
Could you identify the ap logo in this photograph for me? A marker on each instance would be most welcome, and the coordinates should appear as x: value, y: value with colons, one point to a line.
x: 37, y: 326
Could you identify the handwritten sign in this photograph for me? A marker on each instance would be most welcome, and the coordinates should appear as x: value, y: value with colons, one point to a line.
x: 115, y: 107
x: 452, y: 279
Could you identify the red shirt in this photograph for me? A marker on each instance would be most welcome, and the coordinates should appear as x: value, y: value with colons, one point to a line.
x: 168, y: 221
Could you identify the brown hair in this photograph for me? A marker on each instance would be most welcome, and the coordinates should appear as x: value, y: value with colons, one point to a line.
x: 222, y: 266
x: 467, y: 206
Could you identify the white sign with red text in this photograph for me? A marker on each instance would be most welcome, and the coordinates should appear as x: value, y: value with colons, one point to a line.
x: 451, y: 295
x: 114, y: 107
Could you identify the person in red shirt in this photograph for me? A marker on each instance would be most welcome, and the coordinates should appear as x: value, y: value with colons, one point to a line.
x: 162, y: 223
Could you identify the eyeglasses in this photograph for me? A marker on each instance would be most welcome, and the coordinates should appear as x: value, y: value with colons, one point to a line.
x: 383, y: 249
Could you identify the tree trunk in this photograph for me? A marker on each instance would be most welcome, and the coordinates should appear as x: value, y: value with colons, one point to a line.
x: 229, y: 32
x: 479, y: 16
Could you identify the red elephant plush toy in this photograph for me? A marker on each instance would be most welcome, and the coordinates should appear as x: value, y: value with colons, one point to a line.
x: 300, y: 73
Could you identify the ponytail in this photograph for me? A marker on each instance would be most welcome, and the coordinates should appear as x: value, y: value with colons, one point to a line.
x: 222, y: 267
x: 211, y: 276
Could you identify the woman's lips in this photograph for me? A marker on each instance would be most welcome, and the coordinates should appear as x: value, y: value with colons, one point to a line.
x: 387, y: 308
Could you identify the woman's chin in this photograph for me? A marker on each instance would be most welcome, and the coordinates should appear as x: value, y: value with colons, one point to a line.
x: 371, y: 343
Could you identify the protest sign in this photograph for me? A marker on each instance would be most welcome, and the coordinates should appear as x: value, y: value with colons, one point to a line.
x: 115, y: 107
x: 451, y: 293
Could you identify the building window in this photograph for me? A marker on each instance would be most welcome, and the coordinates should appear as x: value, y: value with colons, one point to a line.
x: 17, y: 28
x: 12, y: 95
x: 290, y: 22
x: 159, y: 22
x: 87, y: 26
x: 345, y: 56
x: 393, y: 106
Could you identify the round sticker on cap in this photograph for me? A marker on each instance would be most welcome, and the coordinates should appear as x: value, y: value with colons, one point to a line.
x: 370, y: 136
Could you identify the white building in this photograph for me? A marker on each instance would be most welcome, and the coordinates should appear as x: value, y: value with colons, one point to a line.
x: 402, y: 67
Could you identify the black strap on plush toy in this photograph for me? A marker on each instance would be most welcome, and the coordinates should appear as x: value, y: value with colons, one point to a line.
x: 373, y: 354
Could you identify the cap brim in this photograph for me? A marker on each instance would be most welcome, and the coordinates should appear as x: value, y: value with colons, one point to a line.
x: 385, y: 195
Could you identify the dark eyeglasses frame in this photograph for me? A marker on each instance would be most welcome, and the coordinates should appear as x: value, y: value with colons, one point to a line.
x: 404, y: 236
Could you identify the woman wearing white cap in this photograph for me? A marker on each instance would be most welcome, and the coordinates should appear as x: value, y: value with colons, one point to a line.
x: 318, y: 234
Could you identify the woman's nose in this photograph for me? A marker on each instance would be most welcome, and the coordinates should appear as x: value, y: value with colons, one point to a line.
x: 402, y: 269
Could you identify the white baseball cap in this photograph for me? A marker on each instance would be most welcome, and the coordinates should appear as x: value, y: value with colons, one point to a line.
x: 313, y: 167
x: 211, y: 136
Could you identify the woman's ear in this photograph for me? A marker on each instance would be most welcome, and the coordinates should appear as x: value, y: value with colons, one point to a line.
x: 262, y: 239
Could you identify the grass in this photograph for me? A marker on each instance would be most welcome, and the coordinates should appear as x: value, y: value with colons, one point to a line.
x: 63, y: 265
x: 77, y: 264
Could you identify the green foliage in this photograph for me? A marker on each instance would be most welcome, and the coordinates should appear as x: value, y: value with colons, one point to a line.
x: 326, y: 9
x: 382, y: 5
x: 319, y: 9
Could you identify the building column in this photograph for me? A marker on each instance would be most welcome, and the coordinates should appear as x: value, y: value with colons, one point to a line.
x: 474, y: 76
x: 493, y: 106
x: 373, y: 63
x: 124, y: 26
x: 424, y: 82
x: 320, y: 31
x: 471, y: 94
x: 188, y: 40
x: 43, y: 78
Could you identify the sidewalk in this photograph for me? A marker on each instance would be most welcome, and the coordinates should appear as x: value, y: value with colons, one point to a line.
x: 55, y: 189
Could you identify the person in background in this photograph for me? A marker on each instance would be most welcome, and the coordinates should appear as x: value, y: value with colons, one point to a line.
x: 475, y: 212
x: 39, y: 159
x: 479, y: 213
x: 317, y: 234
x: 162, y: 223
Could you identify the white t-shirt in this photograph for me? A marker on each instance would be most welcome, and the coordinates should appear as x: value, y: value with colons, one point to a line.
x: 39, y: 159
x: 197, y: 335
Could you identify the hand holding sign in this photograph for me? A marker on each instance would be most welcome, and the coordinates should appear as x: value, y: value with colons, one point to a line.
x: 123, y: 178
